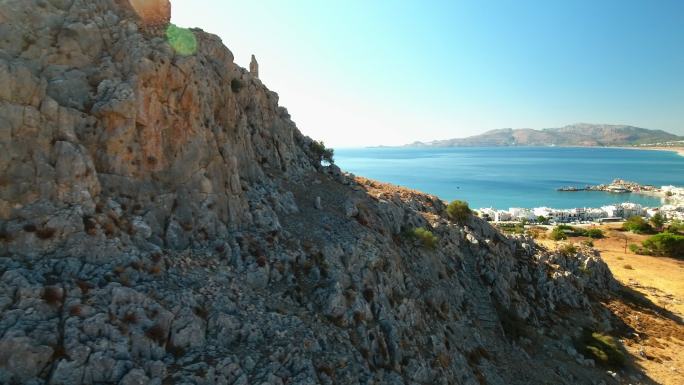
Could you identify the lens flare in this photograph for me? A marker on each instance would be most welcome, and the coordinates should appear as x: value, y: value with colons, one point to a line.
x: 182, y: 40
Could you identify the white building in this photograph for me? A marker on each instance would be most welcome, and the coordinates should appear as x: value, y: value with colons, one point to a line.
x: 612, y: 211
x: 503, y: 216
x: 672, y: 212
x: 542, y: 212
x: 488, y: 212
x: 631, y: 209
x: 496, y: 215
x: 651, y: 212
x: 674, y: 190
x: 594, y: 214
x: 519, y: 213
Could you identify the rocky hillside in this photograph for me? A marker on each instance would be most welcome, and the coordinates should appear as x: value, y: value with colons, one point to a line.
x: 573, y: 135
x: 163, y: 221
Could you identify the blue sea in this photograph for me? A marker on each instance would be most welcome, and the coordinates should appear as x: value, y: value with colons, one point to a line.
x: 503, y: 177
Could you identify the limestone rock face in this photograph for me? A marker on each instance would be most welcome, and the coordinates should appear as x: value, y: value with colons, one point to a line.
x: 107, y: 112
x: 162, y: 220
x: 152, y: 12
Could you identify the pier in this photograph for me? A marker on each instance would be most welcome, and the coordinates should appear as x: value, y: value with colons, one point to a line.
x: 617, y: 186
x: 572, y: 189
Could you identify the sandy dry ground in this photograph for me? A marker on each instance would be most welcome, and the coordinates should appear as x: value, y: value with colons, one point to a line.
x: 654, y: 330
x: 661, y: 279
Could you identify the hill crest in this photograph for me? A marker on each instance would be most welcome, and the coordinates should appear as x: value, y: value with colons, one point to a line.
x: 579, y: 134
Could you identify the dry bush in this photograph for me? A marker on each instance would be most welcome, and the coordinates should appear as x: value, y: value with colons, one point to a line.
x: 45, y: 233
x: 130, y: 318
x: 52, y: 295
x: 76, y: 311
x: 156, y: 333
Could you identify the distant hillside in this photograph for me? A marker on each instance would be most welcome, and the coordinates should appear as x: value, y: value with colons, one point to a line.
x: 581, y: 134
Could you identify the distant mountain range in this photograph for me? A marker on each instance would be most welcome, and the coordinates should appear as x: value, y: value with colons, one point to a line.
x: 581, y: 134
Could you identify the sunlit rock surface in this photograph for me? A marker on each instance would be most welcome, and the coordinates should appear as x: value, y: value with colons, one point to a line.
x: 162, y: 220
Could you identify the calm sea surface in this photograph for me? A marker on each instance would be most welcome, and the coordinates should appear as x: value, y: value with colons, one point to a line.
x: 504, y: 177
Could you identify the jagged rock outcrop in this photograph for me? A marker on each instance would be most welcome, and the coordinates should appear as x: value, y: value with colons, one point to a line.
x: 162, y: 220
x: 254, y: 67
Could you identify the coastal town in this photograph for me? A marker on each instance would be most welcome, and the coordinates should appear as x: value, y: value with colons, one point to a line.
x: 671, y: 196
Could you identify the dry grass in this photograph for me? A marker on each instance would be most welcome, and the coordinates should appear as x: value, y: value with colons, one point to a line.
x: 109, y: 228
x: 157, y: 334
x: 52, y: 295
x: 90, y: 225
x: 442, y: 360
x: 664, y: 274
x: 130, y: 318
x: 658, y: 343
x: 46, y: 233
x: 84, y: 286
x: 261, y: 261
x: 76, y: 311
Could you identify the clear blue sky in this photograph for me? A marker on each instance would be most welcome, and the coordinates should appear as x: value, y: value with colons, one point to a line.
x: 360, y: 72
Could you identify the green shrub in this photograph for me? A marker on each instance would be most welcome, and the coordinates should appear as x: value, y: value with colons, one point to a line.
x: 658, y: 221
x: 542, y: 220
x: 182, y: 40
x: 676, y: 227
x: 634, y: 248
x: 458, y: 211
x: 571, y: 231
x: 558, y: 234
x: 637, y: 225
x: 567, y: 250
x: 588, y: 243
x: 536, y: 232
x: 511, y: 228
x: 665, y: 244
x: 603, y: 349
x: 426, y: 237
x: 236, y: 85
x: 593, y: 233
x: 321, y: 153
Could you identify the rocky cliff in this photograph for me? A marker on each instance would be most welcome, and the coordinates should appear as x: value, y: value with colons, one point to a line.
x: 162, y: 220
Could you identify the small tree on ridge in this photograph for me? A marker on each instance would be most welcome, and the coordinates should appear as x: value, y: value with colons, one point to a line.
x: 458, y: 211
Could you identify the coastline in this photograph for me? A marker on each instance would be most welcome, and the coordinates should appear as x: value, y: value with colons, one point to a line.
x: 678, y: 150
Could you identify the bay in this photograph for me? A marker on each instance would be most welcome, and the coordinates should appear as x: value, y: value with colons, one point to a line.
x: 504, y: 177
